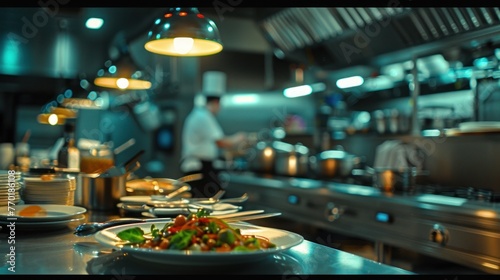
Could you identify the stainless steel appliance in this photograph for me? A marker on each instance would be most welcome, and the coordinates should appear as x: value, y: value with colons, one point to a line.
x: 460, y: 225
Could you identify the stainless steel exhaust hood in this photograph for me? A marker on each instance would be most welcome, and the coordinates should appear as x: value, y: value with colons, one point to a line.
x: 340, y: 37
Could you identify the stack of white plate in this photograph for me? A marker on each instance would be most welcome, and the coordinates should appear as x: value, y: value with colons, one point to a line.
x: 56, y: 190
x: 10, y: 186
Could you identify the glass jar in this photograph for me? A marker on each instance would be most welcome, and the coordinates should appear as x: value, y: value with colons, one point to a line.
x: 97, y: 159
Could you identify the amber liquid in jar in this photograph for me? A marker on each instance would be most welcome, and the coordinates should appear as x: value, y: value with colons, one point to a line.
x: 96, y: 160
x: 95, y: 164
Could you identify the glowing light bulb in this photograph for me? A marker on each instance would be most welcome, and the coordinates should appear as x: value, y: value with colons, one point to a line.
x: 183, y: 45
x: 122, y: 83
x: 53, y: 119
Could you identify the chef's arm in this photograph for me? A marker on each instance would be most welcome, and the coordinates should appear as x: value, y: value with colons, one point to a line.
x: 232, y: 141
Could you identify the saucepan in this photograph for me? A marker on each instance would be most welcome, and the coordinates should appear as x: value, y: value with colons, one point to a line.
x: 291, y: 160
x: 261, y: 157
x: 399, y: 180
x: 102, y: 191
x: 334, y: 163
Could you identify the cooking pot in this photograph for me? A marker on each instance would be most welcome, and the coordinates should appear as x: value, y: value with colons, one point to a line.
x: 102, y: 192
x: 261, y: 157
x: 334, y: 163
x: 291, y: 160
x: 399, y: 180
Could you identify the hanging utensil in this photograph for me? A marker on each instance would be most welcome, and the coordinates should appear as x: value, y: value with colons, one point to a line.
x: 128, y: 167
x: 129, y: 143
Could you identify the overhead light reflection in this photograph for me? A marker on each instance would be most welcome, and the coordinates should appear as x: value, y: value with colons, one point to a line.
x: 94, y: 23
x: 303, y: 90
x: 349, y: 82
x: 441, y: 199
x: 239, y: 99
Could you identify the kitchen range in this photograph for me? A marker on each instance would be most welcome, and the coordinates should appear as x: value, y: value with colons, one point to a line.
x: 454, y: 224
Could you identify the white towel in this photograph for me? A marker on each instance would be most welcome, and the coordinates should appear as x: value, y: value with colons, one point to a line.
x: 383, y: 154
x: 396, y: 154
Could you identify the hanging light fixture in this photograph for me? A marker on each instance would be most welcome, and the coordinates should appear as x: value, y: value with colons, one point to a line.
x: 82, y: 95
x: 124, y: 74
x: 51, y: 118
x: 184, y: 32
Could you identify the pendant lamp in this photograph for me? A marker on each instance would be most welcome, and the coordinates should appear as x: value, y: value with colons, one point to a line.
x: 51, y: 118
x: 122, y: 74
x: 184, y: 32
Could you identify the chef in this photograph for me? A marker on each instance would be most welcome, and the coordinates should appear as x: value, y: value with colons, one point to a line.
x: 203, y: 137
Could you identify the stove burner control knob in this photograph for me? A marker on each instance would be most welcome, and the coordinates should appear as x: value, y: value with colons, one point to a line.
x: 333, y: 211
x: 439, y: 234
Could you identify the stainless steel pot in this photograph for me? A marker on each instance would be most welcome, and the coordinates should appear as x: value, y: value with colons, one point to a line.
x: 334, y: 163
x: 400, y: 180
x: 392, y: 180
x: 261, y: 157
x: 291, y: 160
x: 102, y: 192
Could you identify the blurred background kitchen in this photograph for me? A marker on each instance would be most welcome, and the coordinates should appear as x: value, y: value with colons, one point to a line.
x: 421, y: 76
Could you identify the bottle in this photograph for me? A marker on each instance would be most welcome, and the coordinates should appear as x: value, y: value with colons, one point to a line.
x: 69, y: 155
x: 23, y: 156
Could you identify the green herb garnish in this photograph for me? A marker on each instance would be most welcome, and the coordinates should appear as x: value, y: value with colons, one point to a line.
x: 133, y: 235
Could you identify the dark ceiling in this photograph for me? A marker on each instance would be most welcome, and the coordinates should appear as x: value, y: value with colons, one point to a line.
x: 29, y: 38
x: 30, y: 46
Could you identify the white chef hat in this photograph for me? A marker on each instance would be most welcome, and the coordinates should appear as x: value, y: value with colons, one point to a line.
x: 214, y: 83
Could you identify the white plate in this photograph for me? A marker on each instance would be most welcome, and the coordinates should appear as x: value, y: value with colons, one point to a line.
x: 283, y: 239
x: 38, y: 180
x: 54, y: 213
x: 5, y: 174
x: 5, y: 188
x: 16, y: 180
x: 46, y: 225
x: 16, y: 195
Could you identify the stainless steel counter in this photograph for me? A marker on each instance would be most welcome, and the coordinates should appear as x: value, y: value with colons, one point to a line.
x: 455, y: 229
x: 61, y: 252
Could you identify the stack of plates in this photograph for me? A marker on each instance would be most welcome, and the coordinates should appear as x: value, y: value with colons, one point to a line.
x: 56, y: 190
x: 10, y: 188
x: 41, y: 216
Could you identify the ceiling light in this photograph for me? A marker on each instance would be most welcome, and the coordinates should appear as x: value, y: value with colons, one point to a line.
x: 52, y: 119
x: 184, y: 32
x: 348, y: 82
x: 122, y: 75
x: 297, y: 91
x: 303, y: 90
x: 94, y: 23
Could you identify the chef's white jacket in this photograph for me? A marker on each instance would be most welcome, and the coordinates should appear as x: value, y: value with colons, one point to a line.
x: 201, y: 131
